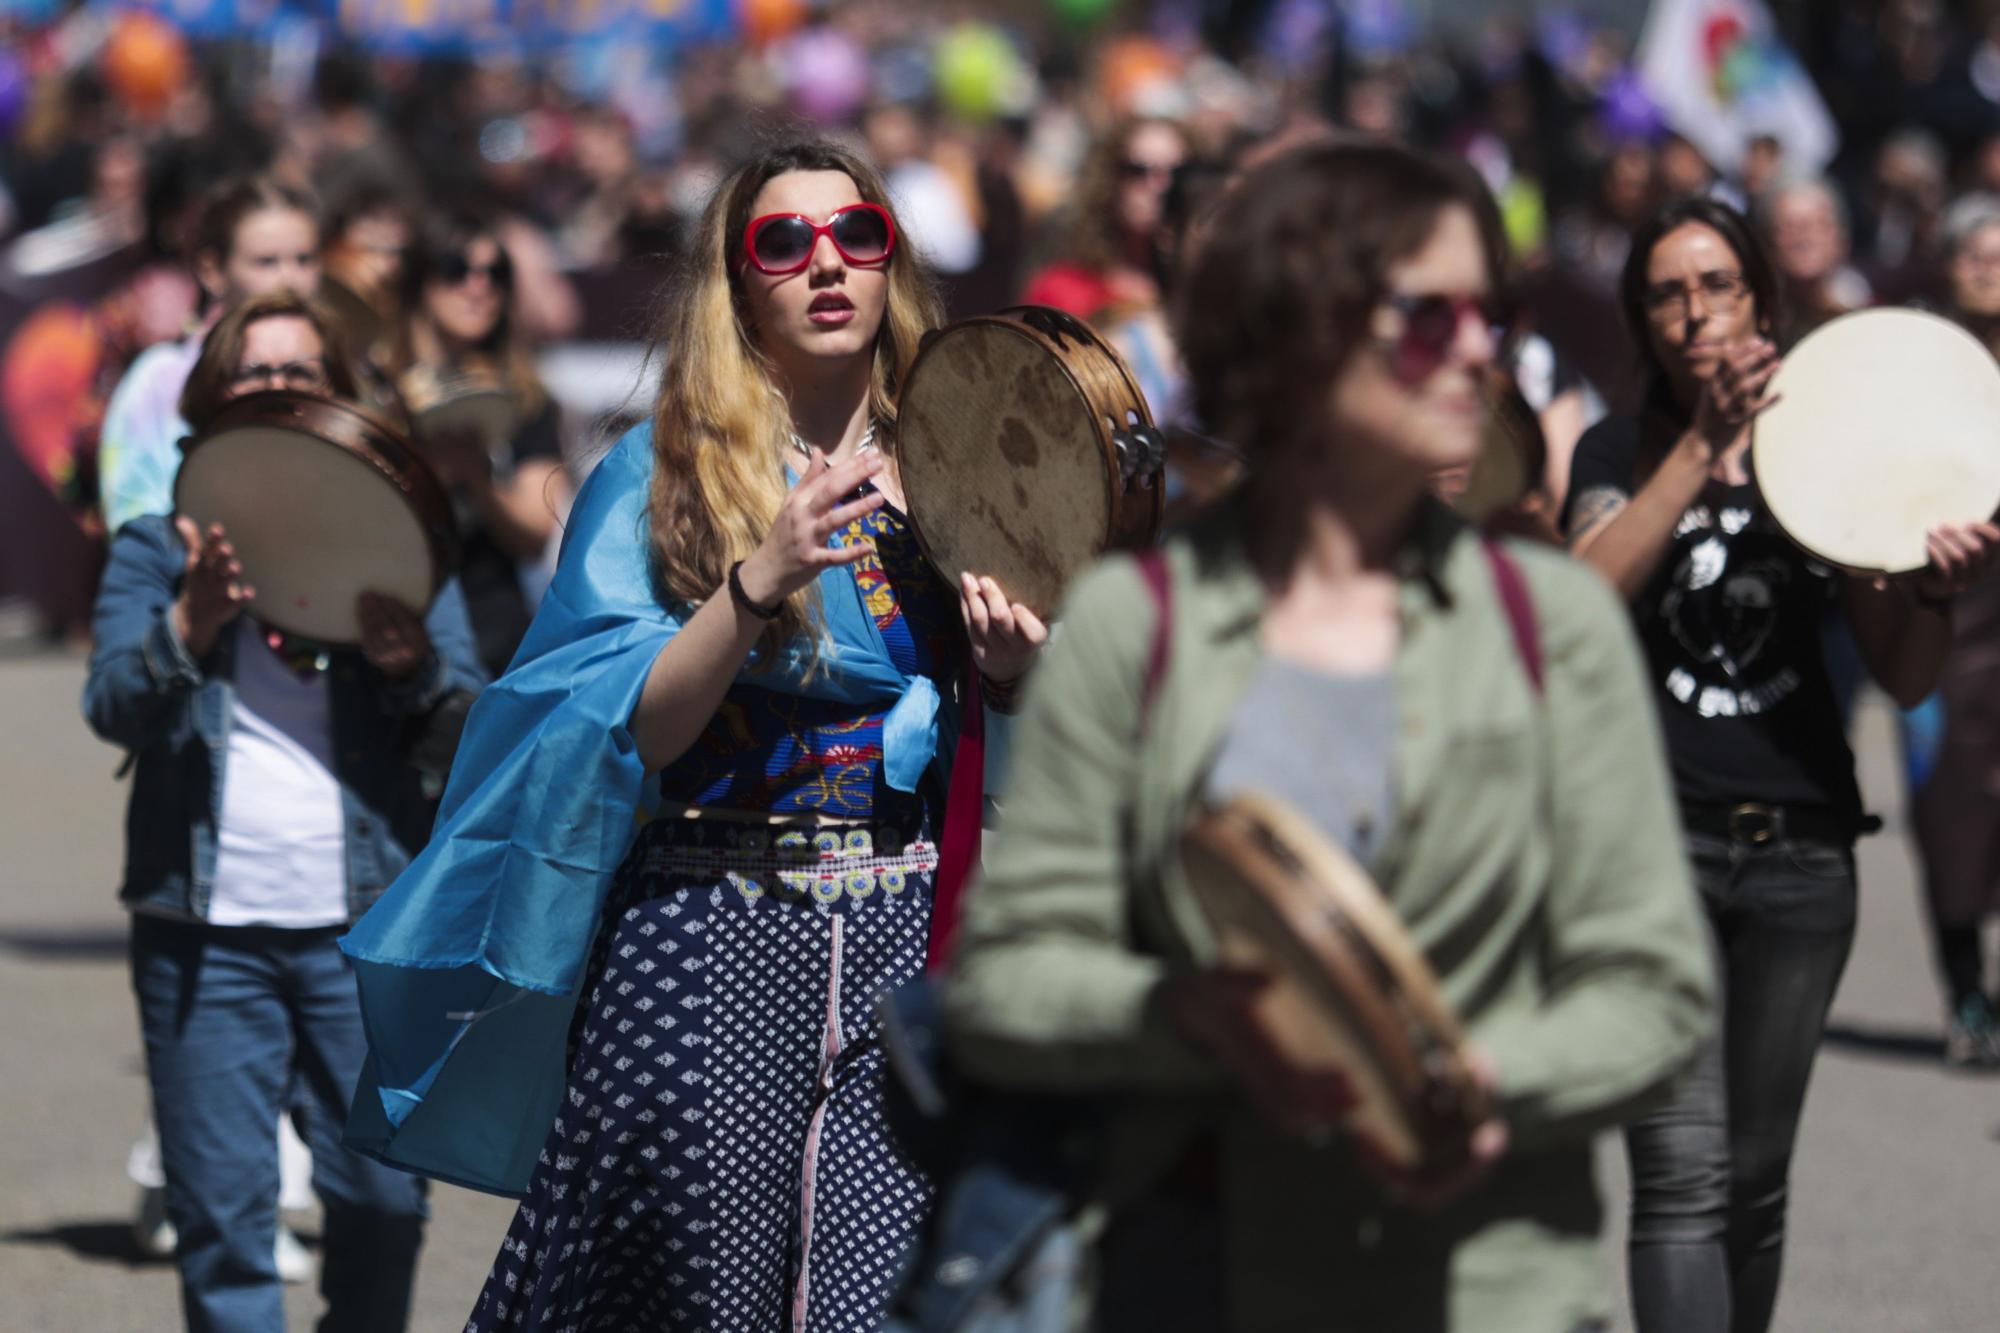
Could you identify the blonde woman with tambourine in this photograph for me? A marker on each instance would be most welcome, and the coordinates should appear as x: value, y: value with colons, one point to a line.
x: 1466, y: 722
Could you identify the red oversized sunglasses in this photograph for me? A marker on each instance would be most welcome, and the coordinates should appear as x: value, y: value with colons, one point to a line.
x: 1430, y: 327
x: 780, y: 243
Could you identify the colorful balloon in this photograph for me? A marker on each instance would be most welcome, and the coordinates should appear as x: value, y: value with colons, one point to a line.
x: 826, y: 74
x: 979, y: 74
x: 145, y: 61
x: 1130, y: 68
x: 765, y: 21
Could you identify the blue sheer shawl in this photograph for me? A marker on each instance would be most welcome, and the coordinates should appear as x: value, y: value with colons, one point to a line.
x: 471, y: 964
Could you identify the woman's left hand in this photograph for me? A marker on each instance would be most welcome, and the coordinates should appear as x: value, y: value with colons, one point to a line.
x: 1005, y: 635
x: 1960, y: 553
x: 393, y: 637
x: 1485, y: 1145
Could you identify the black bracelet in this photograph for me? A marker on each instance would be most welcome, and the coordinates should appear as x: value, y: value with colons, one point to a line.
x: 1002, y: 696
x: 742, y: 598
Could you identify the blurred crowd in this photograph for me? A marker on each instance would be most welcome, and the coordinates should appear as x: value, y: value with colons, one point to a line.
x: 1045, y: 149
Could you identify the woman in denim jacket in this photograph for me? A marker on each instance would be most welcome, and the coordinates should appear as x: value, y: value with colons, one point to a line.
x: 270, y: 805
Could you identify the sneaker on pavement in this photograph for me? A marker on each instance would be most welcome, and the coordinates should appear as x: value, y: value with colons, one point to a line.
x: 1972, y: 1039
x: 151, y: 1231
x: 294, y: 1260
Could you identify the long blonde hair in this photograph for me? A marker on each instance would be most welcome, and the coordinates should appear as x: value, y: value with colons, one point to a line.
x: 721, y: 425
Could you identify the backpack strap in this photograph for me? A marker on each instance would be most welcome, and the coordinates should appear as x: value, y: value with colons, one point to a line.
x: 1159, y: 582
x: 1519, y: 607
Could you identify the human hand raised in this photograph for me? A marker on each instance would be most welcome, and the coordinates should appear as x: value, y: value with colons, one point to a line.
x: 795, y: 551
x: 1735, y: 393
x: 212, y: 589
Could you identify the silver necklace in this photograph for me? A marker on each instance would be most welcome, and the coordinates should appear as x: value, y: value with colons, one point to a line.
x: 866, y: 443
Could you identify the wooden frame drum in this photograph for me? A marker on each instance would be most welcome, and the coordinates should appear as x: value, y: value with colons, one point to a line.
x: 323, y: 501
x: 1019, y: 436
x: 1350, y: 991
x: 1887, y: 425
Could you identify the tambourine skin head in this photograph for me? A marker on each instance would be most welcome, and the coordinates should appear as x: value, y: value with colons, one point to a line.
x: 1512, y: 454
x: 321, y: 505
x: 1003, y: 439
x: 1887, y: 425
x: 1349, y: 991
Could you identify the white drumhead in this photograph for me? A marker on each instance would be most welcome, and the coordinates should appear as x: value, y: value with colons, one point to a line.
x: 314, y: 525
x: 1889, y: 425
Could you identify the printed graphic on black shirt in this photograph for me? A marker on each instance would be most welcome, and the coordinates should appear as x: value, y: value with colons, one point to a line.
x: 1732, y: 622
x: 1723, y: 601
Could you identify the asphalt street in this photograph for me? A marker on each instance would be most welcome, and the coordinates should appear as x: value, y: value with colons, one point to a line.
x: 1895, y: 1227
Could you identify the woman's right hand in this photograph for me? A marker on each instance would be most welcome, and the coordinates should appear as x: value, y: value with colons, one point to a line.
x: 212, y: 589
x: 1735, y: 393
x: 794, y: 552
x: 1216, y: 1010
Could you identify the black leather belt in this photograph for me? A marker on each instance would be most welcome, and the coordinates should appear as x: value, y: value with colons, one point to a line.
x: 1754, y: 824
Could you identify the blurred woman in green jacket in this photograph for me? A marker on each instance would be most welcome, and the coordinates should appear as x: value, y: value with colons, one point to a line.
x: 1337, y: 637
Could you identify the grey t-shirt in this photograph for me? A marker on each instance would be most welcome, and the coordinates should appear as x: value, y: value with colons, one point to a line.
x: 1322, y: 742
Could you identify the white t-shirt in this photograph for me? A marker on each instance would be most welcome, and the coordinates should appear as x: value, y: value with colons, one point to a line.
x: 281, y: 853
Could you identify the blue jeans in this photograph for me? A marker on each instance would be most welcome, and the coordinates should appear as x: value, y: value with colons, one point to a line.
x: 1709, y: 1169
x: 230, y: 1014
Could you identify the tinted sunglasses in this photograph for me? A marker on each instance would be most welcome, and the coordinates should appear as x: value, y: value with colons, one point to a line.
x: 452, y: 267
x: 1430, y: 327
x: 1132, y: 169
x: 780, y: 243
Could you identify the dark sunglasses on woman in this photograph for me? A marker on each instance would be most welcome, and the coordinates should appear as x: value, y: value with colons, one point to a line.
x: 452, y: 268
x: 781, y: 243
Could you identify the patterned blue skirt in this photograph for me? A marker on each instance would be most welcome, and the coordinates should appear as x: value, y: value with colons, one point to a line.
x: 721, y: 1161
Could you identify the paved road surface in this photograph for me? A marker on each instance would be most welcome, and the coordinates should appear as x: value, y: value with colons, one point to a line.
x: 1896, y: 1228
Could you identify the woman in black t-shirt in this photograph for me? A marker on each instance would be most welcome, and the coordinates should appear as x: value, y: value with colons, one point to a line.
x: 459, y: 336
x: 1730, y: 614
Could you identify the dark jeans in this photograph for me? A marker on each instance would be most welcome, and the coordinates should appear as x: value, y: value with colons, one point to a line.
x: 229, y: 1016
x: 1709, y: 1168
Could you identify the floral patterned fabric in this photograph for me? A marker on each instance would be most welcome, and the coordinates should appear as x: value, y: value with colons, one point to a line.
x: 769, y: 750
x: 720, y: 1160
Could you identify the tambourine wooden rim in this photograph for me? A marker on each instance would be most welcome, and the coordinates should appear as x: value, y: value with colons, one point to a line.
x: 360, y: 433
x: 1103, y: 383
x: 1918, y: 400
x: 1256, y: 865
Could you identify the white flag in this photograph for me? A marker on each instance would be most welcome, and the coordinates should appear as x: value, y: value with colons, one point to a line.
x: 1722, y: 76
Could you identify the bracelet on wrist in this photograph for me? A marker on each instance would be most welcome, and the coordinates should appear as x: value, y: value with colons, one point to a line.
x: 742, y: 598
x: 1002, y: 696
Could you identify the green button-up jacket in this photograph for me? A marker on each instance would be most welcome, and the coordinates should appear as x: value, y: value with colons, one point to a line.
x: 1536, y: 861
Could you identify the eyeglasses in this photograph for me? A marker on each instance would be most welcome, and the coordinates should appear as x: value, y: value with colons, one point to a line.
x: 453, y: 268
x: 303, y: 376
x: 1132, y: 169
x: 780, y: 243
x: 1721, y: 293
x: 1430, y: 325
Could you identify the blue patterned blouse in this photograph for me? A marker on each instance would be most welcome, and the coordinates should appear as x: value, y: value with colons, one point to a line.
x: 771, y: 750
